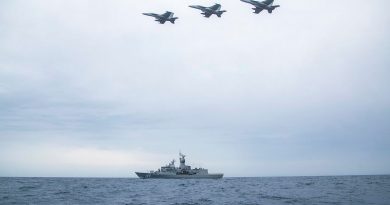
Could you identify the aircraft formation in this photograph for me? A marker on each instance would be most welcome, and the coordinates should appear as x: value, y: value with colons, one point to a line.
x: 216, y: 10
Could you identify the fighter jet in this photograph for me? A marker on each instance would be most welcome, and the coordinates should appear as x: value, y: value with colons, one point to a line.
x: 208, y: 11
x: 260, y: 6
x: 167, y: 16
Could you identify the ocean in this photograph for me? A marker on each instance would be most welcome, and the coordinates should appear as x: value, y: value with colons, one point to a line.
x: 273, y: 190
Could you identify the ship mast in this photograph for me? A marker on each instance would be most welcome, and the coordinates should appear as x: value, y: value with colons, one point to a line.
x: 182, y: 161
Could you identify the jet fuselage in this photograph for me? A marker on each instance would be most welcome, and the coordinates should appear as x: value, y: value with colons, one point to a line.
x: 167, y: 16
x: 208, y: 11
x: 259, y: 6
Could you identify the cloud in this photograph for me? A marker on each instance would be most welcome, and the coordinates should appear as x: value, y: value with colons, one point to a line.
x: 101, y: 74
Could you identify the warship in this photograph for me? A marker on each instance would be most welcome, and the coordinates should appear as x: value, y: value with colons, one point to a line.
x: 182, y: 172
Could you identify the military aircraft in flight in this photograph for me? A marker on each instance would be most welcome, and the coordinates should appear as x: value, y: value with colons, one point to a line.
x: 260, y: 6
x: 208, y: 11
x: 167, y: 16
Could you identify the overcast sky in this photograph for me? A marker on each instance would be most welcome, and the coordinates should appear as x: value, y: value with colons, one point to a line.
x: 93, y: 88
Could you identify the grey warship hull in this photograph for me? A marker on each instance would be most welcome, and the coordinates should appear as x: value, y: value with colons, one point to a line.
x: 184, y: 171
x: 177, y: 176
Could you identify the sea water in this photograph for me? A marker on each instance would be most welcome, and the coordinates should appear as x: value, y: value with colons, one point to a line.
x: 274, y: 190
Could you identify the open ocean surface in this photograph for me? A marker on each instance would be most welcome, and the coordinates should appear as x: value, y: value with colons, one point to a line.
x: 273, y: 190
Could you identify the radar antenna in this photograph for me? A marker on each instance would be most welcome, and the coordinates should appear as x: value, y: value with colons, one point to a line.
x: 172, y: 162
x: 182, y: 155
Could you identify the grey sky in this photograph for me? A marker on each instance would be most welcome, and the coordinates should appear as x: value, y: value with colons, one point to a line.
x: 94, y: 88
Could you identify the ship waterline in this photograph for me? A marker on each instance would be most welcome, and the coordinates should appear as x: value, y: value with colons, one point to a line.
x: 182, y: 172
x: 176, y: 176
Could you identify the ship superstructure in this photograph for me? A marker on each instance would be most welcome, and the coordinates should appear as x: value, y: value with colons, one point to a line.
x: 183, y: 171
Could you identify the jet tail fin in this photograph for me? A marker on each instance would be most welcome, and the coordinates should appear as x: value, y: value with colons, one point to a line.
x: 172, y: 20
x: 272, y: 8
x: 219, y: 14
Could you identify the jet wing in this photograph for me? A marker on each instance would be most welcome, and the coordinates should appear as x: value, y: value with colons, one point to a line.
x: 268, y: 2
x: 198, y: 7
x: 216, y: 7
x: 258, y: 10
x: 167, y: 15
x: 151, y: 14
